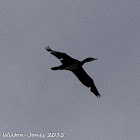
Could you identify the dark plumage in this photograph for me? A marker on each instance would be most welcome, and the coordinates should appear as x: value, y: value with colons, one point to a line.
x: 75, y: 66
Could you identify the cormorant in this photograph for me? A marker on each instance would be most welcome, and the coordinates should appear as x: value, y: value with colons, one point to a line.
x: 75, y: 66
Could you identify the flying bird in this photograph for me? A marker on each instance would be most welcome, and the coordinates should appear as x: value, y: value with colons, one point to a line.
x: 75, y: 66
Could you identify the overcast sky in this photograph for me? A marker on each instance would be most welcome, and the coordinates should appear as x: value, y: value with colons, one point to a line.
x: 33, y: 98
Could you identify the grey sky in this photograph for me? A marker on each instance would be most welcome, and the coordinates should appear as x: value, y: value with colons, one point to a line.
x: 33, y: 98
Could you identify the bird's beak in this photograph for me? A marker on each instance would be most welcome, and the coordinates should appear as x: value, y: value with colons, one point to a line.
x: 95, y: 58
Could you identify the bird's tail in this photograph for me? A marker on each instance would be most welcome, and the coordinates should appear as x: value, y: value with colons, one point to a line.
x: 56, y: 68
x: 95, y: 91
x: 61, y: 67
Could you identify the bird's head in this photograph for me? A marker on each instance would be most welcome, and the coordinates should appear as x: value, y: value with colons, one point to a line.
x: 89, y: 59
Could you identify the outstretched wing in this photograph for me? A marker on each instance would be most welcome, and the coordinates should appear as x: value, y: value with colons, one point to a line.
x: 86, y: 80
x: 65, y: 59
